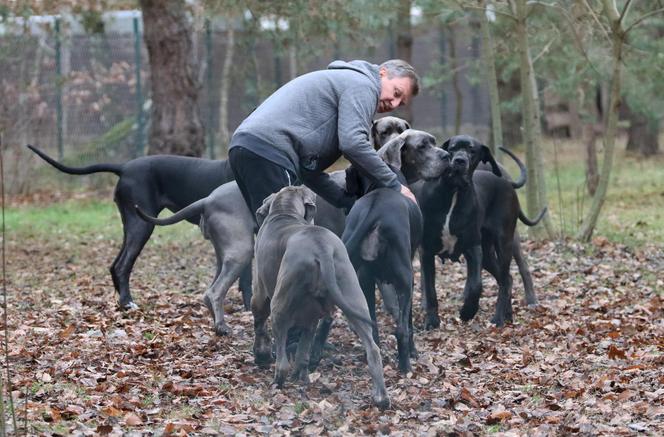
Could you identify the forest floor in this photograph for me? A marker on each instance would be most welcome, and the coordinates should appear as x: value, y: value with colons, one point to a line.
x: 588, y: 360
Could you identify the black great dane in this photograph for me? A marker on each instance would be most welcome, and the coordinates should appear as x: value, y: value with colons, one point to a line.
x: 383, y: 230
x: 470, y: 213
x: 154, y: 182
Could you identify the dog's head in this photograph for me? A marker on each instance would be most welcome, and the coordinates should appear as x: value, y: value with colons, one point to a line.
x: 465, y: 154
x: 298, y: 201
x: 415, y: 154
x: 386, y: 128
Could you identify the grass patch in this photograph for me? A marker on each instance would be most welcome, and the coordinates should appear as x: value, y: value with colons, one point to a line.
x: 633, y: 213
x: 90, y: 219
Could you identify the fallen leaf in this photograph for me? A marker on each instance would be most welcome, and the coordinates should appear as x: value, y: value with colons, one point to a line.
x: 132, y: 419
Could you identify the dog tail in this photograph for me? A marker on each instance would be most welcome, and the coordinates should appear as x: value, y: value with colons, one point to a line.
x: 522, y: 169
x: 95, y: 168
x: 526, y: 221
x: 330, y: 282
x: 359, y: 226
x: 185, y: 213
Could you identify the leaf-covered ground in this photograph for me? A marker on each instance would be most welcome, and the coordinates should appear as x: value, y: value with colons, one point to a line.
x: 589, y: 360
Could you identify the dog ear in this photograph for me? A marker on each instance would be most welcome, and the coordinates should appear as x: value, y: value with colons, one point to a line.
x: 391, y: 151
x: 486, y: 156
x: 446, y: 144
x: 264, y: 210
x: 309, y: 199
x: 406, y: 124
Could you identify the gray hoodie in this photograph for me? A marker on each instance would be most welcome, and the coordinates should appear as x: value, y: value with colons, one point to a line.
x: 308, y: 123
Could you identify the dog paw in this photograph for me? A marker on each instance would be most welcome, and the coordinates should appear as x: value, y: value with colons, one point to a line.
x: 382, y: 402
x: 468, y: 311
x: 301, y: 376
x: 280, y: 377
x: 432, y: 321
x: 405, y: 366
x: 221, y: 329
x: 129, y: 306
x: 263, y: 358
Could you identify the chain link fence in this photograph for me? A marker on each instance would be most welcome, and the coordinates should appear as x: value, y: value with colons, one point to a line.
x: 82, y: 94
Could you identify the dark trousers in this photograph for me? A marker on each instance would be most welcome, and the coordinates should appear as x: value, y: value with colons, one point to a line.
x: 257, y: 177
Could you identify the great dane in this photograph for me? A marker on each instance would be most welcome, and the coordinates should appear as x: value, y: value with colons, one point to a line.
x: 302, y: 272
x: 383, y: 230
x: 470, y: 213
x: 386, y: 128
x: 226, y: 221
x: 154, y: 182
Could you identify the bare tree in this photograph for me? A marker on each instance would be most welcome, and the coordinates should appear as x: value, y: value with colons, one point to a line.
x: 617, y: 34
x: 405, y: 46
x: 224, y: 134
x: 176, y: 126
x: 536, y: 188
x: 489, y: 66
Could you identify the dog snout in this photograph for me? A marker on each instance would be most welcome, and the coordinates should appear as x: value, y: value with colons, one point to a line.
x: 443, y: 156
x: 460, y: 160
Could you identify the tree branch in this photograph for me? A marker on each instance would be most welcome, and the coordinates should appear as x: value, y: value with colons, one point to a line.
x: 597, y: 20
x: 642, y: 18
x: 566, y: 16
x: 623, y: 14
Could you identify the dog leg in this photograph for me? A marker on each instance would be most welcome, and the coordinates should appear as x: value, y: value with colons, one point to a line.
x: 524, y: 271
x: 322, y: 332
x: 404, y: 339
x: 398, y: 306
x: 368, y: 285
x: 413, y: 348
x: 215, y: 296
x: 353, y: 297
x: 280, y: 329
x: 260, y: 307
x: 245, y: 287
x: 504, y: 313
x: 374, y: 361
x: 301, y: 372
x: 428, y: 285
x: 136, y: 233
x: 473, y: 288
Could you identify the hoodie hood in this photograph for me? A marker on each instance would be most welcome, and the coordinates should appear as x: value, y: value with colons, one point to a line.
x: 366, y: 68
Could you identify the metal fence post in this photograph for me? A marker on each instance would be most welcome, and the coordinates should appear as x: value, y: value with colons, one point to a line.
x: 210, y: 101
x: 58, y: 87
x: 140, y: 121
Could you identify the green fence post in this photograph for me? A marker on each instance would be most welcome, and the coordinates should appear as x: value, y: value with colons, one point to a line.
x: 140, y: 121
x: 58, y: 87
x: 210, y: 101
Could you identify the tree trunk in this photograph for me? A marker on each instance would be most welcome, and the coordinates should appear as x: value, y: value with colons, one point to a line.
x: 617, y: 39
x: 224, y: 135
x: 405, y: 48
x: 175, y: 126
x: 454, y: 65
x: 536, y: 187
x: 642, y: 134
x: 489, y: 67
x: 592, y: 172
